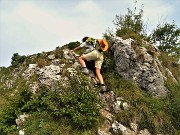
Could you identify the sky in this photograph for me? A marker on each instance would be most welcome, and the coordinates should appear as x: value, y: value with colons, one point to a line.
x: 32, y: 26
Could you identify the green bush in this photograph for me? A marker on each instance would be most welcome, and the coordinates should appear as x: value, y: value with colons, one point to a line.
x: 13, y: 109
x: 17, y: 59
x: 75, y: 106
x: 41, y: 123
x: 72, y: 45
x: 108, y: 63
x: 170, y: 62
x: 58, y: 52
x: 174, y: 106
x: 131, y: 25
x: 167, y: 36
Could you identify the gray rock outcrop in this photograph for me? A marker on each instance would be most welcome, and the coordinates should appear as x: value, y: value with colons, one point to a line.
x: 137, y: 64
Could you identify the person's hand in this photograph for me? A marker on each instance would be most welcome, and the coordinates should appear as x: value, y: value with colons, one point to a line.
x: 70, y: 51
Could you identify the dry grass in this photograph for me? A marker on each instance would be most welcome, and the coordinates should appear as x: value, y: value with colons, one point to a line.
x: 41, y: 62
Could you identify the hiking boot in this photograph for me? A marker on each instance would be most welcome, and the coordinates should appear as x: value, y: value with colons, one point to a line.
x: 85, y: 70
x: 103, y: 89
x: 97, y: 84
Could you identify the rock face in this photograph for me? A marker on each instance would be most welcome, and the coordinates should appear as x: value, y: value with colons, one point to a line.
x: 51, y: 74
x: 137, y: 64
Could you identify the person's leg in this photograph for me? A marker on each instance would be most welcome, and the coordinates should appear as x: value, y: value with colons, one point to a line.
x: 89, y: 56
x: 81, y: 61
x: 83, y: 64
x: 99, y: 76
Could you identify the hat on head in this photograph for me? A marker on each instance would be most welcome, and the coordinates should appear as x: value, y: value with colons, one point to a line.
x: 103, y: 44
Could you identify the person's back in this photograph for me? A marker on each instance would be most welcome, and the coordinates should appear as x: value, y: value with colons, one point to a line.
x: 89, y: 64
x: 87, y: 43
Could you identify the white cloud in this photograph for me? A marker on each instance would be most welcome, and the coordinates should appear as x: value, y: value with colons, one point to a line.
x: 154, y: 11
x: 59, y: 25
x: 89, y: 8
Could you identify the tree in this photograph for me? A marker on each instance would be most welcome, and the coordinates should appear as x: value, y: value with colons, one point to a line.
x: 130, y: 25
x: 17, y: 59
x: 167, y: 36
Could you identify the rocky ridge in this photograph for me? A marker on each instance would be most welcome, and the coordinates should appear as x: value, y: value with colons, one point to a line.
x: 50, y: 75
x: 135, y: 64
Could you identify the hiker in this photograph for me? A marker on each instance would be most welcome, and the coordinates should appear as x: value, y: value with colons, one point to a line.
x: 94, y: 51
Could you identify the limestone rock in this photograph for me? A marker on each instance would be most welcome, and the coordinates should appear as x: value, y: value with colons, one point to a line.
x: 105, y: 128
x: 21, y: 118
x: 119, y: 128
x: 139, y: 66
x: 106, y: 114
x: 144, y: 132
x: 21, y: 132
x: 51, y: 57
x: 67, y: 55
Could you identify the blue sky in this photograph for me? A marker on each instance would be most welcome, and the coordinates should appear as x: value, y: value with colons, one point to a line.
x: 32, y: 26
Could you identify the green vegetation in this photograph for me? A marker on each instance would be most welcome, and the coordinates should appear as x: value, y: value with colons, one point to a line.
x: 170, y: 62
x: 165, y: 35
x: 74, y: 110
x: 158, y: 115
x: 72, y: 45
x: 17, y: 59
x: 74, y: 107
x: 131, y: 25
x: 168, y: 37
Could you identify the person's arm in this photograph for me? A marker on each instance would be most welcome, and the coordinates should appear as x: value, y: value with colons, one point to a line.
x: 75, y: 49
x: 79, y: 47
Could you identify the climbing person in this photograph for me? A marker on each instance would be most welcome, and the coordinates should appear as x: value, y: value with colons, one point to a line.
x: 94, y: 51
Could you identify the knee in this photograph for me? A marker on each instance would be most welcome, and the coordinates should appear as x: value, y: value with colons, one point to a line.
x: 81, y: 58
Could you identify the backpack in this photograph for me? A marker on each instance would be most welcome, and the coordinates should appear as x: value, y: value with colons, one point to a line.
x: 98, y: 44
x: 91, y: 41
